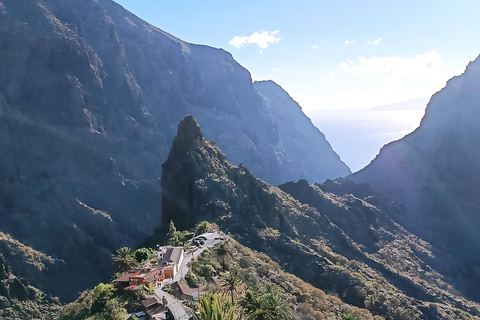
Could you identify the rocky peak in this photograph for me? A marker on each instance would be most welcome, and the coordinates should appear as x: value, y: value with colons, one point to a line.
x: 189, y: 132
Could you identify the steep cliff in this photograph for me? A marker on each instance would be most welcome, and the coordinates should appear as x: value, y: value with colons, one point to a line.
x: 435, y: 172
x: 90, y: 97
x: 301, y: 141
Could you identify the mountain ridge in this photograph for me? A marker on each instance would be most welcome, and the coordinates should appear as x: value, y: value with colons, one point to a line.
x: 433, y: 171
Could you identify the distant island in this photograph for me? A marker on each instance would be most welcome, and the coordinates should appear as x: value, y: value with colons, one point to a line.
x: 415, y: 104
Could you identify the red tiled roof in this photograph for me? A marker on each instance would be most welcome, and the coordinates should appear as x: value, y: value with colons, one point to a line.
x: 126, y: 277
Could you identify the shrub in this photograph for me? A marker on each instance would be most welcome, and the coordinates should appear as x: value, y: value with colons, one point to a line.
x: 246, y: 262
x: 192, y: 279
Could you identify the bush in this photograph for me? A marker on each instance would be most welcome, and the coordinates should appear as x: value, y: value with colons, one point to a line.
x: 246, y: 262
x: 143, y: 254
x: 192, y: 279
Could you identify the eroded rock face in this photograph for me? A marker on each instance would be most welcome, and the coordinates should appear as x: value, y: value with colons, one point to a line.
x: 90, y: 98
x: 303, y: 143
x: 435, y: 172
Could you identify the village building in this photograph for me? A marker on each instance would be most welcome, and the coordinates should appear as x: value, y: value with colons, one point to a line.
x: 137, y: 277
x: 156, y: 310
x: 171, y: 259
x: 182, y: 291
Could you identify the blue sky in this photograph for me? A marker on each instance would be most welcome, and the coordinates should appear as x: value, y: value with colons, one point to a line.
x: 332, y: 54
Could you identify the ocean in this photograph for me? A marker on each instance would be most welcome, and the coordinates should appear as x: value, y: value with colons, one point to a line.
x: 358, y: 135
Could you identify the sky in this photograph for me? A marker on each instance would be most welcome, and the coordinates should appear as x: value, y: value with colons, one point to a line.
x: 332, y: 54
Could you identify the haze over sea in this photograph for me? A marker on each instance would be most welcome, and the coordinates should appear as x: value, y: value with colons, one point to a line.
x: 358, y: 135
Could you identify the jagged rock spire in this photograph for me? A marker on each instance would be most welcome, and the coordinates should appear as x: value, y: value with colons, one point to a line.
x: 188, y: 130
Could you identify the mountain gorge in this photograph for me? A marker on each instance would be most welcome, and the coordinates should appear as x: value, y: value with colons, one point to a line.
x: 90, y: 98
x: 434, y: 171
x: 101, y: 144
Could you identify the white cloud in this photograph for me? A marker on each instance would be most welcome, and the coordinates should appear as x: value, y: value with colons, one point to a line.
x: 395, y: 67
x: 315, y: 47
x: 374, y: 42
x: 347, y: 42
x: 277, y: 69
x: 262, y: 39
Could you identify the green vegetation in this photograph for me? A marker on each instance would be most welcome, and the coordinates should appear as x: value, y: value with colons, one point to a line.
x: 213, y: 307
x: 205, y: 266
x: 19, y: 299
x: 101, y: 303
x: 232, y: 284
x: 126, y: 258
x: 142, y: 255
x: 104, y: 302
x: 176, y: 237
x: 255, y: 287
x: 223, y: 250
x: 204, y: 226
x: 173, y: 236
x: 266, y: 303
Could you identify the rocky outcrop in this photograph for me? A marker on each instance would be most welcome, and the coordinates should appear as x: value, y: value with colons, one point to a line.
x: 435, y: 172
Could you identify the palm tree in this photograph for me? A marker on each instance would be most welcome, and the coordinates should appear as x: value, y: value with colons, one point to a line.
x: 124, y: 258
x: 254, y: 306
x: 203, y: 227
x: 276, y: 304
x: 184, y: 236
x: 232, y: 284
x: 214, y: 307
x: 370, y: 302
x: 222, y: 250
x: 266, y: 305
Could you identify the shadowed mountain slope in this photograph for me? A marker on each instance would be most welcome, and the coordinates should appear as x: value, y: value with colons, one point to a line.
x: 18, y: 299
x: 435, y: 171
x: 90, y: 98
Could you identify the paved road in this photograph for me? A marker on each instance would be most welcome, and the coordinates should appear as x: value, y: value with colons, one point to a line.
x: 178, y: 309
